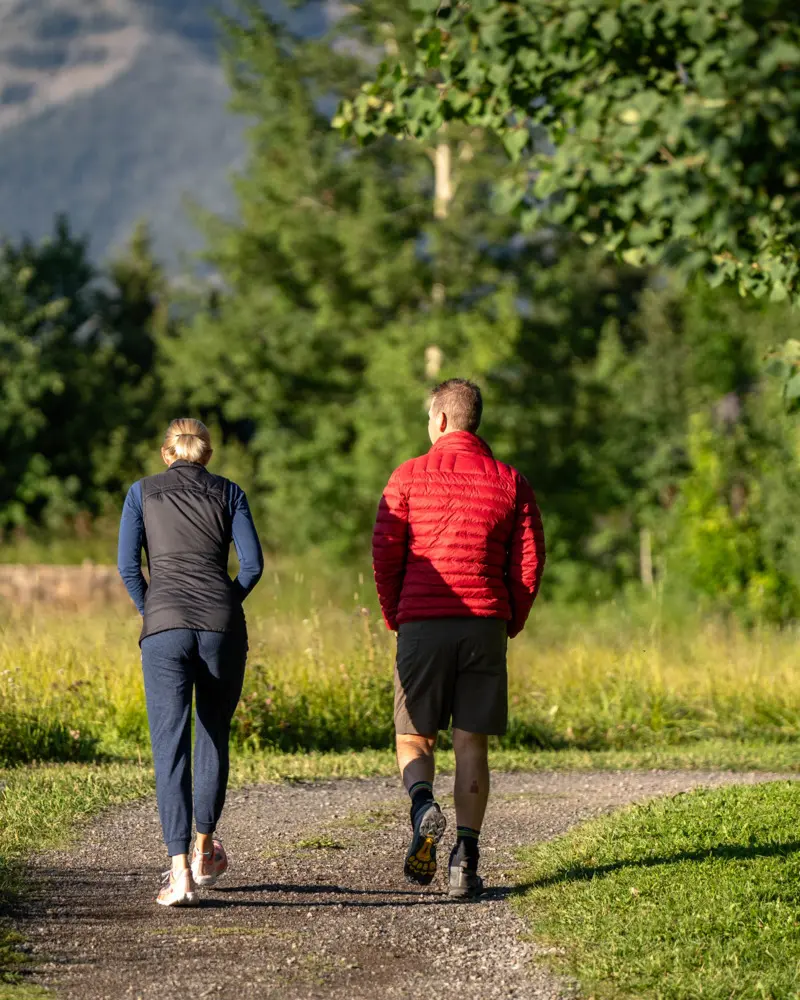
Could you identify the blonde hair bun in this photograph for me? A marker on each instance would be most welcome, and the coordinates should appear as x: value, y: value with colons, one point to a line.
x: 187, y: 440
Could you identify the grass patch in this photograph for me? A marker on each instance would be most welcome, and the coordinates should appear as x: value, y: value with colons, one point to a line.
x: 379, y: 817
x: 728, y: 755
x: 321, y: 842
x: 693, y: 896
x: 9, y: 991
x: 320, y: 679
x: 26, y: 737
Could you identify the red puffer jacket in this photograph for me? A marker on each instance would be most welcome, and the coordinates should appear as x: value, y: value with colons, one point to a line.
x: 458, y: 534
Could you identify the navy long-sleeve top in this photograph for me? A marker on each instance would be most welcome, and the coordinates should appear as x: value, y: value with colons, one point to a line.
x: 131, y: 540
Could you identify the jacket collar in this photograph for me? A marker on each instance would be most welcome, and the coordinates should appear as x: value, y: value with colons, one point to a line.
x: 183, y: 464
x: 462, y: 441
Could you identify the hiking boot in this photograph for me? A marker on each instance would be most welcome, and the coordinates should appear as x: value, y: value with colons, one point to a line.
x: 420, y: 865
x: 208, y: 869
x: 465, y: 882
x: 178, y: 889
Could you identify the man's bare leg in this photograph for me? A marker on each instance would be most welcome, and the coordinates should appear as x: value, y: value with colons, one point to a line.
x: 415, y: 757
x: 471, y: 791
x: 471, y: 795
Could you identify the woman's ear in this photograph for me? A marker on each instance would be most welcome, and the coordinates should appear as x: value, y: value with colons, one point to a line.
x: 165, y: 457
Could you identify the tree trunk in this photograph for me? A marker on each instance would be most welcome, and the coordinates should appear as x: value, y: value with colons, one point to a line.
x: 646, y: 558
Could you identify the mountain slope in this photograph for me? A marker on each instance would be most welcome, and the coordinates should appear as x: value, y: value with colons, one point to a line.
x: 113, y: 111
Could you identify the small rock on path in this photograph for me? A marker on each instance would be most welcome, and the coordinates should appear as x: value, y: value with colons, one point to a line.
x: 315, y: 904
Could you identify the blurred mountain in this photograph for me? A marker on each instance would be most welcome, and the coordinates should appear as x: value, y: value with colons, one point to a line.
x: 114, y: 111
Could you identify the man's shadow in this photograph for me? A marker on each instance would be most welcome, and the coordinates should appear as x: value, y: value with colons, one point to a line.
x: 585, y: 873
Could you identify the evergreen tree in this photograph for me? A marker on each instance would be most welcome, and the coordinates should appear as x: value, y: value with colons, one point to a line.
x: 324, y: 260
x: 24, y: 384
x: 135, y: 309
x: 347, y: 290
x: 78, y: 386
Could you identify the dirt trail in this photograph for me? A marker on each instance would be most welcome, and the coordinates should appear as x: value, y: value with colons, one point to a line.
x: 315, y: 904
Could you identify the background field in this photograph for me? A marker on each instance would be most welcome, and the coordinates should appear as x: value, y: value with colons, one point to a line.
x: 628, y: 675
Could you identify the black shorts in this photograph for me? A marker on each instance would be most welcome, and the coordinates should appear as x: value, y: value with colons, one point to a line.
x: 451, y: 668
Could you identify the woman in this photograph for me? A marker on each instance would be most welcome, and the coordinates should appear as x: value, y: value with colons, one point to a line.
x: 193, y: 638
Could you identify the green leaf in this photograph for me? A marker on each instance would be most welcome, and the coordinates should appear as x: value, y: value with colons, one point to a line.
x: 574, y: 22
x: 777, y: 368
x: 792, y: 391
x: 608, y: 26
x: 506, y: 196
x: 635, y: 256
x: 515, y: 141
x: 779, y: 292
x: 781, y: 53
x: 458, y: 99
x: 630, y: 116
x: 791, y: 349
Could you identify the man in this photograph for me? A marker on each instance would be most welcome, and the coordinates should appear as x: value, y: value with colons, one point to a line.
x: 458, y: 554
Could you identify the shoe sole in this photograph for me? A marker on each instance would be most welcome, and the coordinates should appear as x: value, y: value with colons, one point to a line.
x: 431, y: 831
x: 466, y: 893
x: 207, y: 881
x: 189, y: 899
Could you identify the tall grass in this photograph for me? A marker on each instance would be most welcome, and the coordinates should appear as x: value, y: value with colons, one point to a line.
x: 320, y: 678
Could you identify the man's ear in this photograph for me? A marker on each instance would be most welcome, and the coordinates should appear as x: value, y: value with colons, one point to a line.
x: 442, y: 421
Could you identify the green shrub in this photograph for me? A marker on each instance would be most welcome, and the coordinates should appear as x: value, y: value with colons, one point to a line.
x: 27, y: 737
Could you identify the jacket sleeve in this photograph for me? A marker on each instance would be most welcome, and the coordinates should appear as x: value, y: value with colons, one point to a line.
x: 246, y: 542
x: 129, y: 551
x: 389, y: 549
x: 526, y: 557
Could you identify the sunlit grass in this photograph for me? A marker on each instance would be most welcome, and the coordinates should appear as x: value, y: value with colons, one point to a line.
x: 628, y: 685
x: 320, y: 678
x: 691, y: 896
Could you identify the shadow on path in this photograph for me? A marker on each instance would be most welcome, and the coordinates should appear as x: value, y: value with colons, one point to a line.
x: 322, y: 890
x: 724, y: 852
x: 207, y: 903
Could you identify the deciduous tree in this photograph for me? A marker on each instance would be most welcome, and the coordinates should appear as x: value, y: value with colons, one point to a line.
x: 665, y: 131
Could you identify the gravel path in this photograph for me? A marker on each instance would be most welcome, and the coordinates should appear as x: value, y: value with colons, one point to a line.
x: 315, y: 904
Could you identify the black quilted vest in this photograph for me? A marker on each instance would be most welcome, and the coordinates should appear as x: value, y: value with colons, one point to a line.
x: 187, y: 528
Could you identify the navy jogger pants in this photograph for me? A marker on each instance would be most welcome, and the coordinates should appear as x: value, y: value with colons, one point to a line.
x: 175, y: 663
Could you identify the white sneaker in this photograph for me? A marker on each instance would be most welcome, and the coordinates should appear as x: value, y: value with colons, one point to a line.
x: 178, y: 889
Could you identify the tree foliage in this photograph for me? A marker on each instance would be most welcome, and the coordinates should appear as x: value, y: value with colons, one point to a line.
x: 343, y: 299
x: 664, y: 131
x: 322, y: 258
x: 79, y: 389
x: 345, y: 288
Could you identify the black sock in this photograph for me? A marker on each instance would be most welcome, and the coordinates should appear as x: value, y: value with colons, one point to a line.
x: 421, y: 793
x: 466, y: 849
